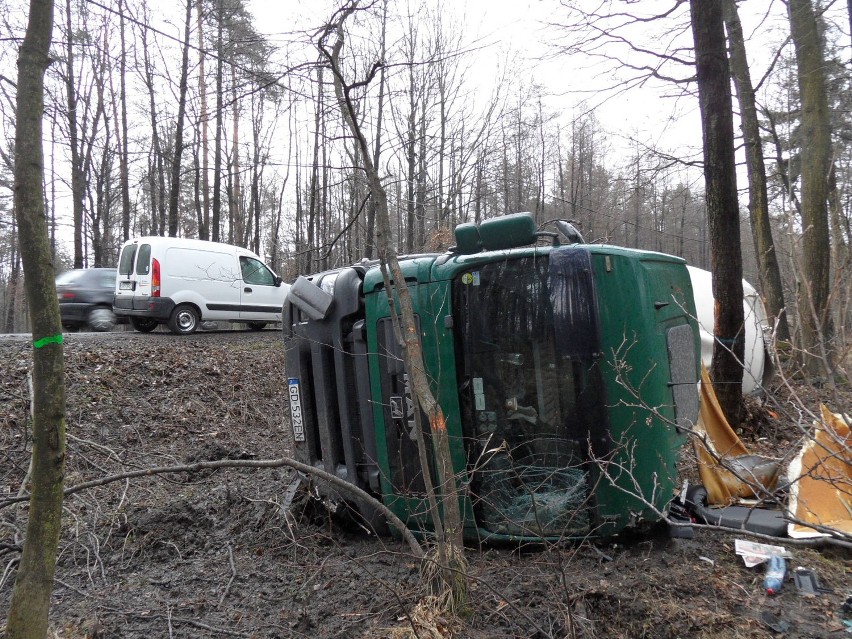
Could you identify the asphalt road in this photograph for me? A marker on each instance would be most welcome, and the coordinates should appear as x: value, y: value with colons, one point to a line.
x: 159, y: 333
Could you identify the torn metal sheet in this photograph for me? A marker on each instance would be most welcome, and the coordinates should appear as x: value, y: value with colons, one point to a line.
x: 727, y: 470
x: 821, y: 480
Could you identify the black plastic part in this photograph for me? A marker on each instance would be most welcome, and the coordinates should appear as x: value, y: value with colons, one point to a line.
x: 679, y: 518
x: 807, y: 583
x: 774, y: 622
x: 758, y: 520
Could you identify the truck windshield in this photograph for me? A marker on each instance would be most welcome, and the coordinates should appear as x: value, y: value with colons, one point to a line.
x: 532, y: 395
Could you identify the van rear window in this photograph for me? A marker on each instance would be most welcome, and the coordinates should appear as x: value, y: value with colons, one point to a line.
x: 143, y: 260
x: 125, y: 262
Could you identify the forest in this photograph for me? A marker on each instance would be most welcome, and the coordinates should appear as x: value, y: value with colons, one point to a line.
x: 194, y: 123
x: 358, y: 130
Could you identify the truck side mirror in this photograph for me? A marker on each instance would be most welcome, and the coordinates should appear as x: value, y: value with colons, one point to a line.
x: 309, y: 298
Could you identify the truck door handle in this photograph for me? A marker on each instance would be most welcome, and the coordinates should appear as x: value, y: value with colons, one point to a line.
x: 247, y: 290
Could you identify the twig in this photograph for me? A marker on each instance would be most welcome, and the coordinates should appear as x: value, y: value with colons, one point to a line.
x: 70, y: 587
x: 171, y: 619
x: 233, y: 575
x: 8, y: 570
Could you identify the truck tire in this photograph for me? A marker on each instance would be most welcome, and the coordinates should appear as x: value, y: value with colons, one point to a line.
x: 184, y: 320
x: 143, y: 324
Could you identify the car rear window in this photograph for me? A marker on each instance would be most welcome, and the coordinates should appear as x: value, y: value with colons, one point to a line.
x: 68, y: 277
x: 125, y: 263
x: 143, y: 260
x: 106, y: 279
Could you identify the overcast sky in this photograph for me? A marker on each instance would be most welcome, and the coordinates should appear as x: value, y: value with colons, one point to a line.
x: 524, y: 31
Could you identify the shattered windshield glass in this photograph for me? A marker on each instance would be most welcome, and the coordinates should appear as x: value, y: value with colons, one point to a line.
x: 531, y: 390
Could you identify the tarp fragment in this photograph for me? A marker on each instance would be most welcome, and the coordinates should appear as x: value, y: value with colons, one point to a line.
x: 820, y: 480
x: 720, y: 451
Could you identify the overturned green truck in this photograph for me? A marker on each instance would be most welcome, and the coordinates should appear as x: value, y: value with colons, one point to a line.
x: 567, y: 373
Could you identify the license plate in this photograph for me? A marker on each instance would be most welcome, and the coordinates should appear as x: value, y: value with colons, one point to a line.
x: 125, y: 286
x: 296, y: 410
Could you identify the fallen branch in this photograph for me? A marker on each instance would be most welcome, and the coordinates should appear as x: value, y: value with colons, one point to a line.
x: 335, y: 481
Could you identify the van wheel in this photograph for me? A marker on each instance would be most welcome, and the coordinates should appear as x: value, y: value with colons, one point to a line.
x: 257, y: 326
x: 143, y: 324
x: 184, y: 320
x: 101, y: 319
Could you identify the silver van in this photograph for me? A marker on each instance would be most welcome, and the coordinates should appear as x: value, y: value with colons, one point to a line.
x: 182, y: 283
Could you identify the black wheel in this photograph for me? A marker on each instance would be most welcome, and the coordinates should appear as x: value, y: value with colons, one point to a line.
x: 71, y: 328
x: 257, y: 326
x: 184, y: 320
x: 101, y: 319
x: 143, y: 324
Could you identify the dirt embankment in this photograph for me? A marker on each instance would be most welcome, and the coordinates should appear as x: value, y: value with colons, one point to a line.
x: 214, y: 554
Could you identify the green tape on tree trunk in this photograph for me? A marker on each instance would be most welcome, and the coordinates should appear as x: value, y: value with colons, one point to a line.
x: 44, y: 341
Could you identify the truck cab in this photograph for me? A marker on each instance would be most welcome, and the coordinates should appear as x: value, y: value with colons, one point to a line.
x: 567, y: 374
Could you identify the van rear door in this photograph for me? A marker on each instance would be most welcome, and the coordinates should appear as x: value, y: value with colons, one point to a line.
x: 134, y: 272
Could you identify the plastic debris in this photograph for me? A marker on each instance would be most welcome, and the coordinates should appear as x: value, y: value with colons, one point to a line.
x: 774, y: 622
x: 807, y: 583
x: 776, y: 570
x: 754, y: 553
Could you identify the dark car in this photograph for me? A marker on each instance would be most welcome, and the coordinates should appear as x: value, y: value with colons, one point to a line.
x: 85, y: 298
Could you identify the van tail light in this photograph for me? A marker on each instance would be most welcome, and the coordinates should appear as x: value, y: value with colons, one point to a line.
x: 155, y: 278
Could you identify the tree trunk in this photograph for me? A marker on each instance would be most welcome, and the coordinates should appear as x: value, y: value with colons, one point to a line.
x: 204, y: 225
x: 377, y: 148
x: 13, y: 282
x: 420, y: 198
x: 717, y: 123
x: 313, y: 194
x: 28, y: 612
x: 123, y: 147
x: 255, y: 205
x: 236, y: 202
x: 174, y: 191
x: 769, y: 272
x: 411, y: 162
x: 158, y: 178
x: 217, y: 144
x: 78, y: 183
x: 816, y: 167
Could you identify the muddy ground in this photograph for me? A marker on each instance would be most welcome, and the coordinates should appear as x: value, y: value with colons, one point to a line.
x: 213, y: 554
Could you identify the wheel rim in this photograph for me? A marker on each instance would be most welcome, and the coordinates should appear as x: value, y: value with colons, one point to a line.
x: 186, y: 320
x: 101, y: 319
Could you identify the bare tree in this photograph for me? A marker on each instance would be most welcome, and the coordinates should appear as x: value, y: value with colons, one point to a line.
x: 449, y: 531
x: 816, y: 167
x: 124, y: 167
x: 28, y: 612
x: 78, y: 186
x: 764, y: 245
x: 156, y: 163
x: 178, y: 144
x: 203, y: 116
